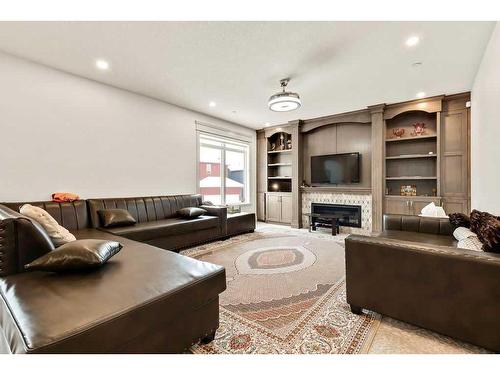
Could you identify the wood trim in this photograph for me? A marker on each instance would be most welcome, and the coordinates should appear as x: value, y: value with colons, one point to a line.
x: 297, y: 173
x: 429, y: 105
x: 269, y: 132
x: 333, y: 189
x: 360, y: 116
x: 378, y: 165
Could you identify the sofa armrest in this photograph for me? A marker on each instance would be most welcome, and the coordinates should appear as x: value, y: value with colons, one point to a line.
x: 451, y: 291
x: 221, y: 213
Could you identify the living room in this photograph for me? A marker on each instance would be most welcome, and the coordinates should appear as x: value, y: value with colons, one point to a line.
x: 200, y: 187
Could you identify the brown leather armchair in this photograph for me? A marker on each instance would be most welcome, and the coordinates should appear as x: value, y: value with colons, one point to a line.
x: 413, y: 272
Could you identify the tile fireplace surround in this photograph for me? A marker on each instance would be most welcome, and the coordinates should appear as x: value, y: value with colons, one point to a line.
x: 354, y: 199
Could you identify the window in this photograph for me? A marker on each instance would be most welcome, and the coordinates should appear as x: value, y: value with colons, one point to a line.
x: 223, y: 170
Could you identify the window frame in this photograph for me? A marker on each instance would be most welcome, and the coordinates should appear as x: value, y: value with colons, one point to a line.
x: 226, y: 142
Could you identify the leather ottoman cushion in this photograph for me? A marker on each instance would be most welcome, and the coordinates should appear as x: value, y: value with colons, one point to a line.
x: 164, y: 228
x: 432, y: 239
x: 141, y: 288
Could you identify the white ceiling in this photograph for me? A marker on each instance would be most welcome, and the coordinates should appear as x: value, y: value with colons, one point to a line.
x: 334, y: 66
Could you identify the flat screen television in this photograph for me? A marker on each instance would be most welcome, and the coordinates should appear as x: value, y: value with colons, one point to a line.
x: 335, y: 169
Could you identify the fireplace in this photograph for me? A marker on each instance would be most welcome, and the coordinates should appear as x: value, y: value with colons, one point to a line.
x: 349, y: 216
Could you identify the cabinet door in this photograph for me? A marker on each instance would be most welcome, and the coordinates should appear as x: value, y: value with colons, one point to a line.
x: 261, y: 206
x: 454, y: 154
x: 397, y: 206
x: 416, y: 206
x: 451, y: 206
x: 273, y: 208
x: 286, y: 209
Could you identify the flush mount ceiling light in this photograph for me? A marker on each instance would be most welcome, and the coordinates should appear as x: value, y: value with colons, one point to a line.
x: 284, y: 101
x: 102, y: 64
x: 412, y: 41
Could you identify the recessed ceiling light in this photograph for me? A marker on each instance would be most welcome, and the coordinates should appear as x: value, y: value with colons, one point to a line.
x: 412, y: 41
x: 102, y: 64
x: 267, y: 124
x: 417, y: 64
x: 420, y: 94
x: 212, y: 104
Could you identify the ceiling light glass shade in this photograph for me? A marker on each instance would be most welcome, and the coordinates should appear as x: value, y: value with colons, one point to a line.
x: 284, y: 101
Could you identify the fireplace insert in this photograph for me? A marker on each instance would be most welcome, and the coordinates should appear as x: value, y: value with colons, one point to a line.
x: 348, y: 215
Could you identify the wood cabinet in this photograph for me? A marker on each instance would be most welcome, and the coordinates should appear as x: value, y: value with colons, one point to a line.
x: 261, y: 206
x: 279, y: 207
x: 408, y: 205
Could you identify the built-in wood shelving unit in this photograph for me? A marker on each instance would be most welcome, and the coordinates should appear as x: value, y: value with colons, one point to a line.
x: 280, y: 165
x: 412, y: 158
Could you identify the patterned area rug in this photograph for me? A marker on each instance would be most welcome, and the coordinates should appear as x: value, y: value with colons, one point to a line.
x: 285, y: 295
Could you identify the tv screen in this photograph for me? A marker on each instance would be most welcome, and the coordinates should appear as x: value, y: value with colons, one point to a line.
x: 335, y: 169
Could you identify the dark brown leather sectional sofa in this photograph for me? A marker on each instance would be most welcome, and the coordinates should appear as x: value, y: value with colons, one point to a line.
x: 144, y: 300
x: 414, y: 272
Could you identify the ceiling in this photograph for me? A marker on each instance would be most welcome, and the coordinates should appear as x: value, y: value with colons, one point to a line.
x: 334, y: 66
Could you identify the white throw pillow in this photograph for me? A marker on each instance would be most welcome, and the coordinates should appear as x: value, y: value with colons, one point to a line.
x: 58, y: 234
x: 467, y: 239
x: 431, y: 210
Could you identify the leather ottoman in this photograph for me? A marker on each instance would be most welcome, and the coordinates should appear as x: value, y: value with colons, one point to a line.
x: 239, y: 223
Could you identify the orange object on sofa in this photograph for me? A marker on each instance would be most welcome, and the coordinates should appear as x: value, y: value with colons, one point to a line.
x: 64, y: 197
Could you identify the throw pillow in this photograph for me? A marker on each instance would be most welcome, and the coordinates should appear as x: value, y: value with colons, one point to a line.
x: 191, y: 212
x: 116, y: 217
x: 487, y: 228
x: 58, y: 234
x: 459, y: 220
x: 467, y: 239
x: 76, y: 255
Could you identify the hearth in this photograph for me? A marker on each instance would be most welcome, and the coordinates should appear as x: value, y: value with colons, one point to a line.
x: 348, y: 215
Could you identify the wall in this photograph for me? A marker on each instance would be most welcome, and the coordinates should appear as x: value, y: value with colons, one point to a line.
x: 340, y: 138
x: 485, y: 130
x: 60, y: 132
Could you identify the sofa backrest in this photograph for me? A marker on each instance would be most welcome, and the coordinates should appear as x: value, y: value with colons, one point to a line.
x: 71, y: 215
x: 22, y: 240
x: 420, y: 224
x: 144, y: 209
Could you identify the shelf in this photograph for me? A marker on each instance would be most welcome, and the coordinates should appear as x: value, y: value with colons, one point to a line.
x: 415, y: 197
x: 412, y: 178
x: 414, y: 156
x: 279, y: 178
x: 280, y: 151
x: 279, y: 165
x: 410, y: 138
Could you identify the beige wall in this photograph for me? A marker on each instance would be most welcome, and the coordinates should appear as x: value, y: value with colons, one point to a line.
x: 60, y: 132
x: 485, y: 130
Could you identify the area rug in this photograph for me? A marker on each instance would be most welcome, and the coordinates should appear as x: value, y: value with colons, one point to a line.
x: 285, y: 295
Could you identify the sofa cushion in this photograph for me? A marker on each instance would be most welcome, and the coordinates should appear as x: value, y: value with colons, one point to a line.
x: 141, y: 289
x: 115, y: 217
x: 431, y: 239
x: 191, y: 212
x: 76, y: 256
x: 164, y: 228
x: 57, y: 233
x: 487, y: 228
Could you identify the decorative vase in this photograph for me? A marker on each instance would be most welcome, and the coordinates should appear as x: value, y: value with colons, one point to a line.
x: 398, y: 132
x: 418, y: 129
